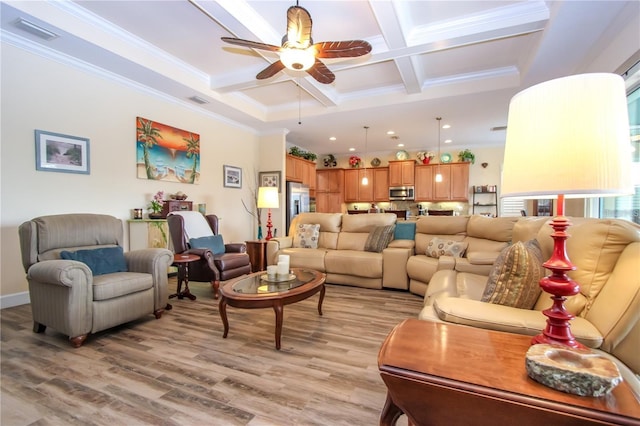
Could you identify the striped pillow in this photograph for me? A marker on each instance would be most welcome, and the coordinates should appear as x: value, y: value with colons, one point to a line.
x: 379, y: 238
x: 515, y: 277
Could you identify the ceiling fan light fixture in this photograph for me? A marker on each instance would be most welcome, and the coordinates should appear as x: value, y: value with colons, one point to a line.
x: 297, y: 59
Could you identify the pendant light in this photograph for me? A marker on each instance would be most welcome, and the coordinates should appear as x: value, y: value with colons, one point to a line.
x: 438, y: 174
x: 365, y: 180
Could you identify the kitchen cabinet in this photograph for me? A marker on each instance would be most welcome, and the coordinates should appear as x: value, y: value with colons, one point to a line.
x: 401, y: 173
x: 376, y: 190
x: 454, y: 185
x: 301, y: 170
x: 424, y: 176
x: 329, y: 190
x: 381, y: 184
x: 329, y: 180
x: 329, y: 202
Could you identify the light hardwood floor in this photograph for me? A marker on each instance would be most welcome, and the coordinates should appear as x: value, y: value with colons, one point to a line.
x: 180, y: 371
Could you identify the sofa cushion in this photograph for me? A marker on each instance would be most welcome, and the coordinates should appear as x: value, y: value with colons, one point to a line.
x: 105, y: 260
x: 405, y: 231
x: 307, y: 236
x: 379, y: 238
x: 440, y: 247
x: 215, y: 243
x: 514, y: 280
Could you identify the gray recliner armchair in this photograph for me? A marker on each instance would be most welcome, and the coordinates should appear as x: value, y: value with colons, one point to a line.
x: 103, y: 287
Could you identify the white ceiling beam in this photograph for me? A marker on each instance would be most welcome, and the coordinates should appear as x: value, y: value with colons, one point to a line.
x: 391, y: 29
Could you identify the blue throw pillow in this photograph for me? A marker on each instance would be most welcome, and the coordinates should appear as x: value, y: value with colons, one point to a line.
x: 211, y: 242
x: 405, y: 231
x: 105, y: 260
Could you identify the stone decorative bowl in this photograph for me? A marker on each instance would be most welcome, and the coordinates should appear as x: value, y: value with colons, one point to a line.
x: 577, y: 371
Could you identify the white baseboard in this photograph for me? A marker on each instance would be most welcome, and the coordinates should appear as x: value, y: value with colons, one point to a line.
x: 16, y: 299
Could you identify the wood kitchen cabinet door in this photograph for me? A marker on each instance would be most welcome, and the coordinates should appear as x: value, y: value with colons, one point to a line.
x: 425, y: 176
x: 460, y: 182
x: 380, y: 184
x: 351, y: 186
x: 401, y: 173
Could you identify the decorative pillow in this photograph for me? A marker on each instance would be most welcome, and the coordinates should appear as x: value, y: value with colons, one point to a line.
x: 215, y: 243
x: 515, y: 277
x: 307, y: 236
x: 379, y: 238
x: 105, y: 260
x: 405, y: 231
x: 439, y: 247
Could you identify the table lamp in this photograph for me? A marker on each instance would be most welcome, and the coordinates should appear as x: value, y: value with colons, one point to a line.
x: 567, y: 137
x: 268, y: 199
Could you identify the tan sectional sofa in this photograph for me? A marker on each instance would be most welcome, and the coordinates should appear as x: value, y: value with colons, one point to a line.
x: 485, y: 237
x: 340, y: 253
x: 606, y: 253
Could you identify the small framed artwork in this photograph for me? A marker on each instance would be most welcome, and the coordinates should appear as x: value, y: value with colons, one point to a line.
x: 232, y: 177
x: 270, y: 179
x: 56, y: 152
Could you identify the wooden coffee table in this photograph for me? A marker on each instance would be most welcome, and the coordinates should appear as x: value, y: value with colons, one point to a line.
x: 447, y: 374
x: 251, y: 292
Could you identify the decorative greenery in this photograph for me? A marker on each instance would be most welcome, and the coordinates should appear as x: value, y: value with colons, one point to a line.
x: 467, y: 155
x: 307, y: 155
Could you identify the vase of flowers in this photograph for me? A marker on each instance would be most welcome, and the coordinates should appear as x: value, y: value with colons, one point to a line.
x: 155, y: 206
x: 425, y: 156
x: 355, y: 161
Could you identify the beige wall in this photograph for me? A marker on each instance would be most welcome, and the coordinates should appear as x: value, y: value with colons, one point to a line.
x: 39, y: 93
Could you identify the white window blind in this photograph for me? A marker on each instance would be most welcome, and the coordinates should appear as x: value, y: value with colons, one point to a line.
x: 511, y: 206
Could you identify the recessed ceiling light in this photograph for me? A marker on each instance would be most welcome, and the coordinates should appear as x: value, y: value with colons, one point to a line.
x: 446, y: 126
x: 332, y: 138
x: 391, y: 132
x: 352, y: 149
x: 447, y: 141
x: 400, y: 145
x: 35, y: 29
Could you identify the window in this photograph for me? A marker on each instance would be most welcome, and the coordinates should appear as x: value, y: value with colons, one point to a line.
x: 628, y: 207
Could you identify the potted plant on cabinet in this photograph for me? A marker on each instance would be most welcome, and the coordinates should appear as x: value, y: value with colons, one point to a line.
x: 466, y: 156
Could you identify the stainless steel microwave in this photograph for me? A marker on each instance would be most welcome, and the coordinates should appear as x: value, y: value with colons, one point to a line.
x: 400, y: 193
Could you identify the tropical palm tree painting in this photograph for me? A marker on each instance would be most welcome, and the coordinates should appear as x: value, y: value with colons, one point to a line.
x: 166, y: 153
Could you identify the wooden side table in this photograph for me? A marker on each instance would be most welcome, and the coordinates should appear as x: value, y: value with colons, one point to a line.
x: 447, y: 374
x: 182, y: 262
x: 257, y: 251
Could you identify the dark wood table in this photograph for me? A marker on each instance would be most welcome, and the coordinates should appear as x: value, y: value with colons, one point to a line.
x: 257, y: 251
x: 181, y: 261
x: 447, y: 374
x: 251, y: 292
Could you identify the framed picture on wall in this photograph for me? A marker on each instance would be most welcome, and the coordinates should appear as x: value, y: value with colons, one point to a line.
x: 56, y: 152
x: 232, y: 176
x: 270, y: 179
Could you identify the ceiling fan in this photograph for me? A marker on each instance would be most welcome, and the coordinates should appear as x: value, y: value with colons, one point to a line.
x: 299, y: 53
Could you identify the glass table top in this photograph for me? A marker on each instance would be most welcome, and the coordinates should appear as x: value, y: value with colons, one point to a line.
x: 256, y: 285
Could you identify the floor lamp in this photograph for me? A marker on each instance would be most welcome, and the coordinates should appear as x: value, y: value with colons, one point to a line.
x: 567, y: 137
x: 268, y: 198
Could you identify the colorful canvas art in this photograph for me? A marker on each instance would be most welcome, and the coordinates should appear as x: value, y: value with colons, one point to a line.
x: 166, y: 153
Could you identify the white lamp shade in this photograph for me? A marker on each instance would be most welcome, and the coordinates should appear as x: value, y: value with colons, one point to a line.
x: 569, y: 136
x: 268, y: 197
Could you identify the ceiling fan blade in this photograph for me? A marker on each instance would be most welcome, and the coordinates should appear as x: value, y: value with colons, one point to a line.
x: 270, y: 71
x: 298, y: 27
x: 251, y: 44
x: 342, y: 49
x: 320, y: 72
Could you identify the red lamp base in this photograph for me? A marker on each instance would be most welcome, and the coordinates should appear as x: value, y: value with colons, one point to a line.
x: 269, y: 226
x: 559, y: 285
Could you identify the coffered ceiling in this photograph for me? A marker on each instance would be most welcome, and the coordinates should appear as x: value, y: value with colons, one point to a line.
x: 461, y: 60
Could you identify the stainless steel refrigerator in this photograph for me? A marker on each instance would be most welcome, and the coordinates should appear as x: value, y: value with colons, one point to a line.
x: 297, y: 201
